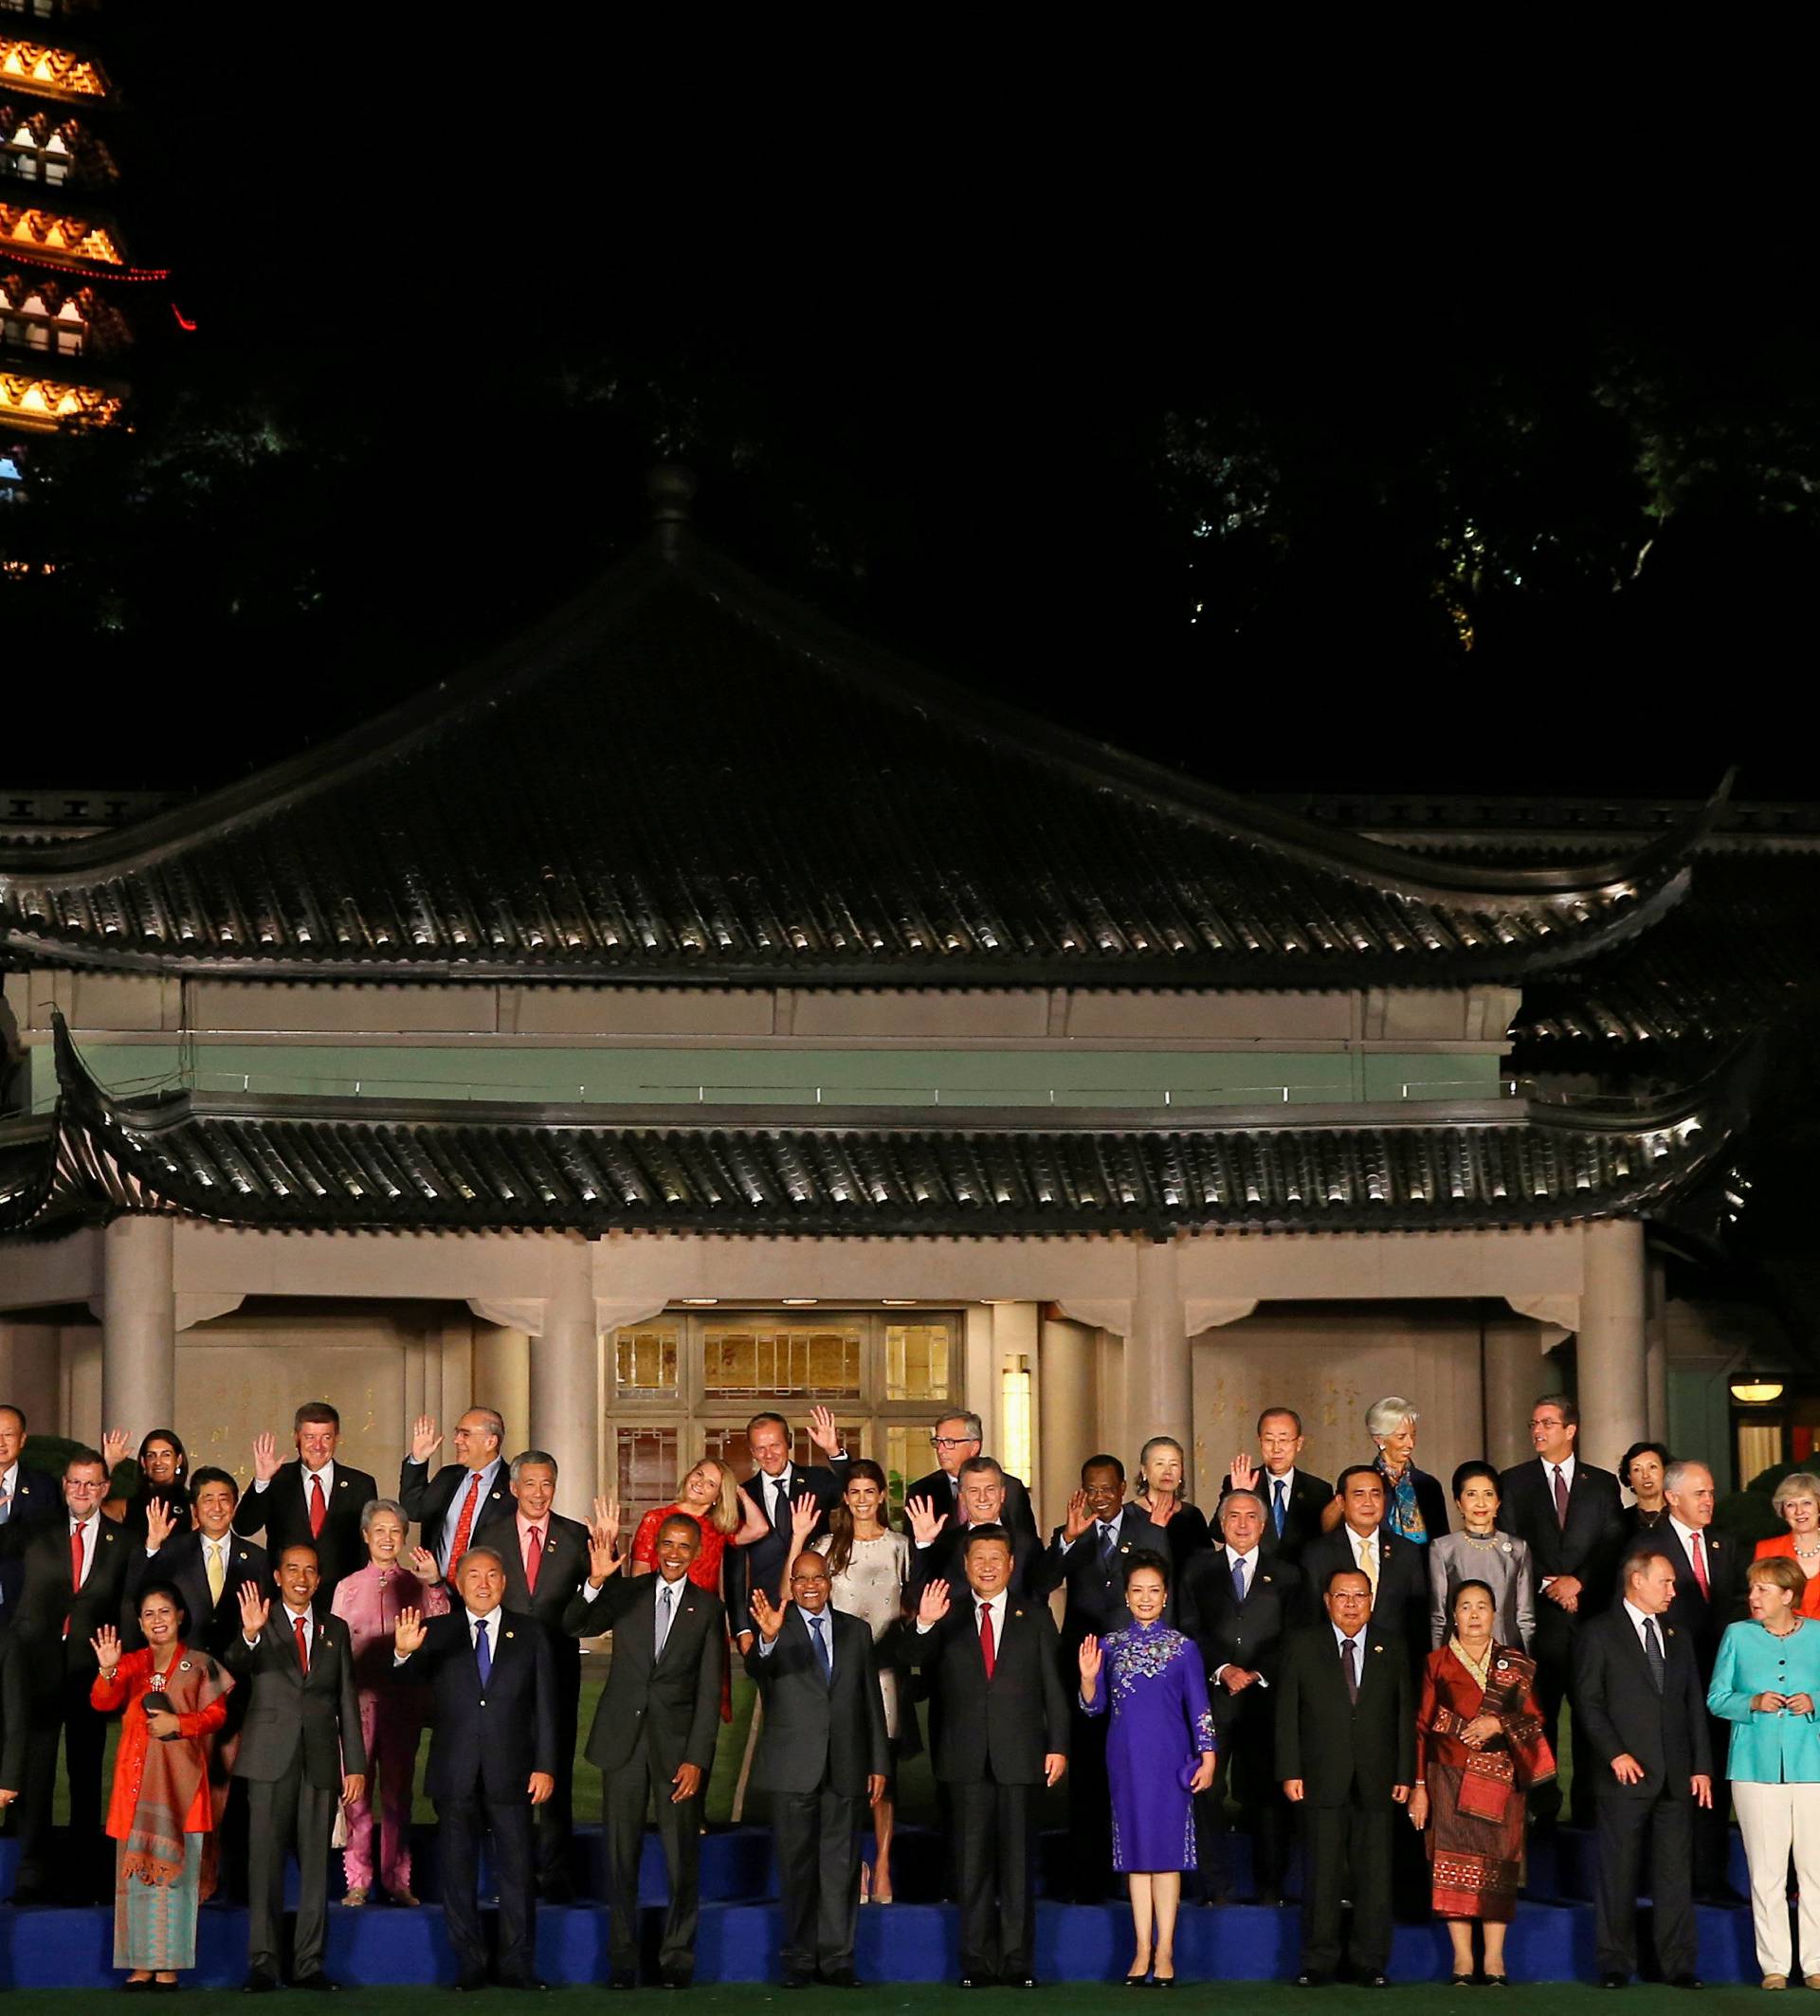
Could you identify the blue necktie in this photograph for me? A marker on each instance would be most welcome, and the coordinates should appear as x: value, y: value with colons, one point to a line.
x: 1276, y: 1509
x: 1108, y: 1540
x: 815, y: 1625
x: 1238, y: 1576
x: 665, y: 1596
x: 483, y: 1651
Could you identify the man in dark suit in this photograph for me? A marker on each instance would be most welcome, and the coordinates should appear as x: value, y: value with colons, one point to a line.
x: 1236, y: 1600
x: 1345, y: 1739
x: 1294, y: 1499
x: 958, y: 1439
x: 28, y: 1497
x: 207, y: 1564
x: 1397, y: 1569
x: 453, y: 1506
x: 1637, y: 1691
x: 314, y: 1503
x: 824, y: 1757
x: 994, y: 1669
x: 1709, y: 1594
x: 1569, y: 1513
x: 774, y: 1486
x: 492, y: 1757
x: 654, y: 1729
x: 1086, y: 1559
x: 937, y: 1536
x: 546, y: 1562
x: 75, y: 1582
x: 300, y: 1754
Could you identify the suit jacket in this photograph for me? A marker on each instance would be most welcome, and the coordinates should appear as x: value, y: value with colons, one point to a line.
x: 1230, y: 1633
x: 281, y: 1510
x: 1095, y: 1594
x: 15, y: 1713
x: 1309, y: 1497
x: 1402, y: 1606
x: 36, y: 1497
x: 1331, y: 1742
x: 1616, y: 1705
x: 293, y: 1721
x: 1011, y: 1721
x: 763, y: 1564
x: 1019, y: 1515
x: 813, y: 1731
x: 1704, y: 1618
x: 941, y: 1561
x: 427, y: 1498
x: 46, y: 1600
x: 179, y: 1561
x: 563, y: 1570
x: 673, y: 1702
x: 1586, y: 1545
x: 487, y: 1739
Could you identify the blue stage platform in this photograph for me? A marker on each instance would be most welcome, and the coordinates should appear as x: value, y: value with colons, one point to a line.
x: 380, y: 1945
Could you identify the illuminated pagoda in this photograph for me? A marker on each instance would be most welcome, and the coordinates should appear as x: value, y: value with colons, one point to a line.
x: 691, y: 1008
x: 63, y: 335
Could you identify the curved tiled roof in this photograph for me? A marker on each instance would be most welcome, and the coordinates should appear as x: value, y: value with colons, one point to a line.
x: 305, y: 1162
x: 683, y: 777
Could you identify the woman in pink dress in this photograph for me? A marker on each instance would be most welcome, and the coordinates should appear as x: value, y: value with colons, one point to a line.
x: 392, y: 1716
x: 710, y: 1495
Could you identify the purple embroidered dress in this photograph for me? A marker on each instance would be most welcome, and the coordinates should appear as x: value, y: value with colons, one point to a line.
x: 1160, y: 1723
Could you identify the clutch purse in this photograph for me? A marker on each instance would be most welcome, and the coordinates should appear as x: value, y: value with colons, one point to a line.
x: 158, y: 1702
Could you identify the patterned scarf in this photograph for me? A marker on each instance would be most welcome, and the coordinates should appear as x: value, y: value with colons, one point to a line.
x: 1402, y: 1515
x: 173, y: 1774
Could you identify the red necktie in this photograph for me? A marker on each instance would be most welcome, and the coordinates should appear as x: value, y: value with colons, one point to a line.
x: 986, y: 1650
x: 463, y: 1526
x: 533, y: 1559
x: 1700, y: 1566
x: 302, y: 1646
x: 75, y: 1568
x: 318, y: 1509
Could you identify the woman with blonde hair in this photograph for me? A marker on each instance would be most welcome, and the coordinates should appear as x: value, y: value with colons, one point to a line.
x: 1416, y: 1507
x: 1797, y: 1499
x: 709, y: 1494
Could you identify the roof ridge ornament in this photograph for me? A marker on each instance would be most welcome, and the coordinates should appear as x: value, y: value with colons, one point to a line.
x: 670, y: 488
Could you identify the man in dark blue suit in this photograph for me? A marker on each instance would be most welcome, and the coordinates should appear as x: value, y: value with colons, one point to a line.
x: 492, y: 1758
x: 28, y: 1496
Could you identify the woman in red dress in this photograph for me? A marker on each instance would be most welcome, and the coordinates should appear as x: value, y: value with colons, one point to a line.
x: 1479, y: 1748
x: 710, y: 1495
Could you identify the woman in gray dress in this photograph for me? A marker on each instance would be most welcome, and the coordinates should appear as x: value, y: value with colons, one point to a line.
x: 1479, y: 1553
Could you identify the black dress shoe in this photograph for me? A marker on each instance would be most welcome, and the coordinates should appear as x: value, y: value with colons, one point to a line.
x: 470, y: 1984
x: 1268, y: 1899
x: 318, y: 1984
x: 797, y: 1978
x: 1461, y: 1980
x: 1019, y: 1981
x: 977, y: 1981
x: 1685, y: 1981
x: 676, y: 1977
x: 525, y: 1981
x: 1614, y: 1980
x: 1308, y: 1979
x: 259, y: 1983
x: 622, y: 1977
x: 1374, y: 1981
x: 841, y: 1977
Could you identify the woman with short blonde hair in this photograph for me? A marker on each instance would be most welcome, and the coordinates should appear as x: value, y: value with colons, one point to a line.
x: 1416, y: 1507
x: 1796, y: 1498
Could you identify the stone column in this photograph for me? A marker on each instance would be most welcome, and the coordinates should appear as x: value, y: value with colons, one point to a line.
x: 1067, y: 1437
x: 565, y: 1404
x: 139, y: 1330
x: 1158, y: 1372
x: 1655, y: 1344
x: 1614, y: 1379
x: 1515, y: 1378
x: 502, y: 1380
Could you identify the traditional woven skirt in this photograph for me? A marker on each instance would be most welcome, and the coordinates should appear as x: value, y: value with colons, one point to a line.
x: 155, y: 1924
x: 1477, y: 1863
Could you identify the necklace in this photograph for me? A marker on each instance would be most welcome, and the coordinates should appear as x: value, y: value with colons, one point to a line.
x: 1807, y: 1553
x: 1480, y: 1540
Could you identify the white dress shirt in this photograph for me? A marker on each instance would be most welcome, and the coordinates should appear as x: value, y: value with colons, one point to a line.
x: 1638, y: 1620
x: 1251, y: 1566
x: 1689, y: 1536
x: 90, y: 1530
x: 291, y: 1618
x: 326, y: 1474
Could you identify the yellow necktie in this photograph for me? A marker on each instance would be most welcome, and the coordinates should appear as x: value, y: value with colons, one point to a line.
x: 1368, y: 1560
x: 217, y: 1572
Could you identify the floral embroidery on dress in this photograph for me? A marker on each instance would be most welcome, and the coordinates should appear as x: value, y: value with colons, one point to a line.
x: 1138, y: 1654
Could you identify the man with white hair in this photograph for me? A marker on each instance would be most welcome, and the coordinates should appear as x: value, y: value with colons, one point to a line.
x: 1709, y: 1594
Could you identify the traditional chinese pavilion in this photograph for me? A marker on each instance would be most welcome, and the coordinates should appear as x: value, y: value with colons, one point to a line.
x: 692, y: 1007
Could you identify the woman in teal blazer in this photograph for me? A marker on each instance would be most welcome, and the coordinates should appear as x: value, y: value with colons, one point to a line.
x: 1766, y: 1682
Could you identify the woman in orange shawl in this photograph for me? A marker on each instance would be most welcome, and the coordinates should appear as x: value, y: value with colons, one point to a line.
x: 170, y: 1787
x: 1479, y: 1748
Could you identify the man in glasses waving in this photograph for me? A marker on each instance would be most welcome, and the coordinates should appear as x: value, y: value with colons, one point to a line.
x: 958, y: 1439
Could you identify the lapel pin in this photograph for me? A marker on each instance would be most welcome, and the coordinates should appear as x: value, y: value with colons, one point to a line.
x: 508, y: 1634
x: 1377, y: 1648
x: 183, y: 1665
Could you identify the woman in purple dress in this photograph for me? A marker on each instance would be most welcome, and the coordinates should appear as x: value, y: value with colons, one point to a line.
x: 1159, y: 1754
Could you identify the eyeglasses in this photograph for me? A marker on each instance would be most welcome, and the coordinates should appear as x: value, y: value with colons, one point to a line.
x: 951, y: 1441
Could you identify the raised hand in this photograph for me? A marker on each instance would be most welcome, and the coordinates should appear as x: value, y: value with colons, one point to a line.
x: 603, y: 1557
x: 425, y: 1440
x: 422, y: 1564
x: 605, y: 1518
x: 105, y: 1645
x: 265, y: 1457
x: 932, y: 1606
x: 115, y: 1445
x: 159, y: 1525
x: 1164, y: 1509
x: 805, y: 1516
x: 255, y: 1608
x: 409, y: 1633
x: 1089, y: 1662
x: 768, y: 1616
x: 1080, y: 1517
x: 823, y: 1431
x: 925, y: 1521
x: 1242, y: 1473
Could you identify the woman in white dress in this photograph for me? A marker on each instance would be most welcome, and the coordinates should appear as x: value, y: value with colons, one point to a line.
x: 868, y: 1566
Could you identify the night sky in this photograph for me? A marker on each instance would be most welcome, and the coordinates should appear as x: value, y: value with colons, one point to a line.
x: 932, y: 393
